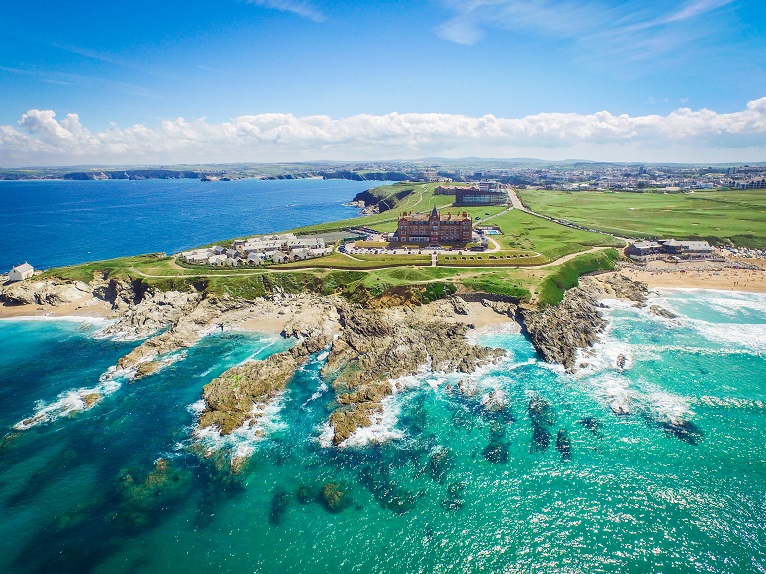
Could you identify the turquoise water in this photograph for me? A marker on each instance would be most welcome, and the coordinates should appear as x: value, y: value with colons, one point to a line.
x: 456, y: 489
x: 52, y: 223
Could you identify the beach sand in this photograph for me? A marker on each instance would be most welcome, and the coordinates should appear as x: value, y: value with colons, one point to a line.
x: 85, y: 307
x: 700, y: 275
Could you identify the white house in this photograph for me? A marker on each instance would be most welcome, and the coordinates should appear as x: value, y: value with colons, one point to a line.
x: 21, y: 272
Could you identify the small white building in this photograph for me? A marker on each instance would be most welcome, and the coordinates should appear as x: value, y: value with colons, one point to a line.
x: 21, y: 272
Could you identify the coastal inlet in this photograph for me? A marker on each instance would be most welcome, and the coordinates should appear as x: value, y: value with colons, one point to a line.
x: 509, y: 462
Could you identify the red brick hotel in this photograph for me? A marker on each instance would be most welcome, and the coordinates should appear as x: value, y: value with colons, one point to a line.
x: 434, y: 228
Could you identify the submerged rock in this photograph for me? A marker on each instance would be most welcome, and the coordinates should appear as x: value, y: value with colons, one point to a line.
x: 455, y: 499
x: 563, y: 445
x: 683, y: 430
x: 662, y: 312
x: 278, y: 507
x: 592, y: 425
x: 305, y: 495
x: 335, y: 497
x: 440, y: 462
x: 162, y: 486
x: 386, y: 491
x: 541, y: 416
x: 496, y: 451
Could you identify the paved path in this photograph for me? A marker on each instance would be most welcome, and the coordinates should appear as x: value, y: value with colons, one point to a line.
x: 478, y: 268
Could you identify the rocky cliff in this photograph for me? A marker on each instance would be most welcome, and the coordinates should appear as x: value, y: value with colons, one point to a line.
x: 559, y: 332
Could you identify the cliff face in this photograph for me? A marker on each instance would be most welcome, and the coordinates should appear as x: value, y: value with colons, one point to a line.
x: 133, y: 174
x: 382, y: 202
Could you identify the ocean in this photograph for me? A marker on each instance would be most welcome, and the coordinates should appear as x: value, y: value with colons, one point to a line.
x: 52, y: 223
x: 455, y: 488
x: 555, y: 482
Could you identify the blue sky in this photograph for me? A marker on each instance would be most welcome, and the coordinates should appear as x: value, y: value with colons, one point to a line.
x: 282, y: 80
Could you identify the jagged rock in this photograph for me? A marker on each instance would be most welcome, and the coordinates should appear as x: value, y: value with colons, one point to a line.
x: 54, y: 292
x: 459, y: 305
x: 495, y: 401
x: 616, y: 285
x: 501, y: 307
x: 621, y: 361
x: 375, y: 347
x: 558, y: 332
x: 229, y: 399
x: 661, y: 312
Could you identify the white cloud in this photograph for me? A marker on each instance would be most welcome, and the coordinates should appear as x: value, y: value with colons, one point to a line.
x: 682, y: 135
x: 299, y: 7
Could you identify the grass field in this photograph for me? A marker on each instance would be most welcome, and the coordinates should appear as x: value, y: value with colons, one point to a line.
x: 522, y: 231
x: 738, y: 217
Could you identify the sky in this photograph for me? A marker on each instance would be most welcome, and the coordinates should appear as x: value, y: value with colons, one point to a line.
x: 203, y: 81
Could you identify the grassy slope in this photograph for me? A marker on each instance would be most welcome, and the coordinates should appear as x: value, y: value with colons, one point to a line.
x: 523, y: 231
x: 738, y: 216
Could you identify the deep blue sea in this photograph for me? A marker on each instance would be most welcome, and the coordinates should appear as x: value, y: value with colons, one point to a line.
x: 53, y: 223
x: 124, y: 486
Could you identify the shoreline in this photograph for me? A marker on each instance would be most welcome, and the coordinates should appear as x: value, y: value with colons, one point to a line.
x: 701, y: 275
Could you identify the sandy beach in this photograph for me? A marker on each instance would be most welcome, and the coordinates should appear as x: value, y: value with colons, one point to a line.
x: 87, y: 307
x: 701, y: 275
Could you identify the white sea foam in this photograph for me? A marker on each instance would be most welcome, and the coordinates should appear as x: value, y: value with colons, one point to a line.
x: 383, y: 428
x: 670, y: 408
x: 75, y: 401
x: 242, y: 443
x: 318, y: 393
x: 748, y: 336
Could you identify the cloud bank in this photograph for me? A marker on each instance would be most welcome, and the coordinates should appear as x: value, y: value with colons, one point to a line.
x: 40, y: 138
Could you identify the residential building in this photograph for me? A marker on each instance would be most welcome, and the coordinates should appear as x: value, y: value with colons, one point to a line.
x: 21, y: 272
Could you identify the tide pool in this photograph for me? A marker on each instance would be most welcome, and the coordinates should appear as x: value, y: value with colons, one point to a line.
x: 555, y: 482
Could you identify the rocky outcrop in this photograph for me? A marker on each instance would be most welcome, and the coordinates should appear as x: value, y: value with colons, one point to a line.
x: 501, y: 307
x: 662, y: 312
x: 232, y: 399
x: 54, y: 292
x: 375, y: 348
x: 559, y: 332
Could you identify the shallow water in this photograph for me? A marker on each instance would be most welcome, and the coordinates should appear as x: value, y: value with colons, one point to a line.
x: 457, y: 489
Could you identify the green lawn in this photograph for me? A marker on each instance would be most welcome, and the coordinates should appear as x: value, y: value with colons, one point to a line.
x: 718, y: 216
x: 522, y: 231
